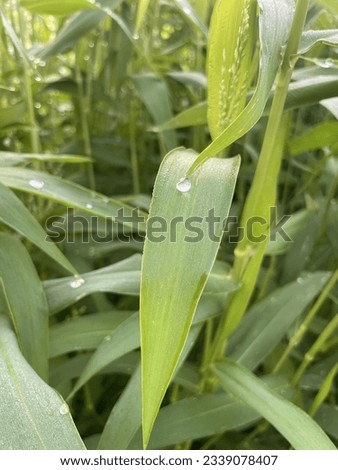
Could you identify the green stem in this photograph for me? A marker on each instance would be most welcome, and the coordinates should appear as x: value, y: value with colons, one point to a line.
x: 315, y: 348
x: 298, y: 336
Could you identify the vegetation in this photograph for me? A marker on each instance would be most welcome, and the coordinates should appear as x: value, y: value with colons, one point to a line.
x: 202, y: 334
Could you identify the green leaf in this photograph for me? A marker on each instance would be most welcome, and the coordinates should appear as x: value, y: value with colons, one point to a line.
x: 172, y: 282
x: 122, y: 278
x: 190, y: 13
x: 13, y: 158
x: 329, y: 4
x: 83, y: 333
x: 155, y: 95
x: 55, y: 7
x: 29, y: 310
x: 323, y: 135
x: 267, y: 321
x: 32, y: 415
x: 312, y: 38
x: 292, y: 422
x: 72, y: 195
x: 12, y: 114
x: 142, y: 8
x: 120, y: 341
x: 21, y: 220
x: 194, y: 116
x: 274, y: 27
x: 77, y: 26
x: 231, y: 41
x: 204, y: 415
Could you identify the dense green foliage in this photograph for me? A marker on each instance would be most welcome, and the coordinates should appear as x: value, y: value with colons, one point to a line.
x: 238, y: 333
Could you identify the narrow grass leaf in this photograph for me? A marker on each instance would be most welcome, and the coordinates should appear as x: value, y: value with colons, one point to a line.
x: 72, y: 195
x: 125, y: 418
x: 84, y: 333
x: 292, y: 422
x: 14, y: 214
x: 75, y: 28
x: 324, y: 390
x: 55, y: 7
x: 155, y: 95
x: 12, y: 114
x: 120, y: 341
x: 142, y: 8
x: 194, y: 116
x: 231, y: 41
x: 190, y: 13
x: 314, y: 37
x: 29, y: 310
x: 204, y: 415
x: 121, y: 278
x: 32, y: 415
x: 323, y: 135
x: 13, y: 158
x: 269, y: 320
x: 170, y: 290
x: 274, y: 26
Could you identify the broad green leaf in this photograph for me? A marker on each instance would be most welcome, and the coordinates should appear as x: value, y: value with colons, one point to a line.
x: 269, y: 320
x: 190, y: 13
x: 175, y: 270
x: 122, y: 278
x: 29, y: 309
x: 13, y: 158
x: 76, y: 27
x: 32, y: 415
x: 21, y: 220
x: 202, y: 416
x: 274, y: 26
x: 292, y: 422
x: 72, y: 195
x: 231, y: 41
x: 323, y: 135
x: 312, y: 38
x: 142, y: 8
x: 83, y: 333
x: 155, y: 95
x: 55, y: 7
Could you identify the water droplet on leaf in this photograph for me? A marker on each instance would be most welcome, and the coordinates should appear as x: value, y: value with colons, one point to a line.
x: 64, y: 409
x: 89, y: 206
x: 78, y: 282
x: 184, y: 185
x: 36, y: 184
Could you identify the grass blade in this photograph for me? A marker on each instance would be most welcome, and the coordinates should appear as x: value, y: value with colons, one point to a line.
x: 21, y: 220
x: 170, y: 290
x: 32, y: 415
x: 29, y: 310
x: 292, y: 422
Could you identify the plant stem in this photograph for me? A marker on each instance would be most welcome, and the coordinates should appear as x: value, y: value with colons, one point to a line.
x: 262, y: 196
x: 297, y: 337
x: 315, y: 348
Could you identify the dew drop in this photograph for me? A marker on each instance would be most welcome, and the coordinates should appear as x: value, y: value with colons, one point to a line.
x: 89, y: 206
x: 36, y: 184
x: 327, y: 63
x: 184, y: 185
x: 6, y: 142
x: 78, y: 282
x: 64, y: 409
x: 37, y: 78
x: 136, y: 36
x: 300, y: 280
x: 107, y: 338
